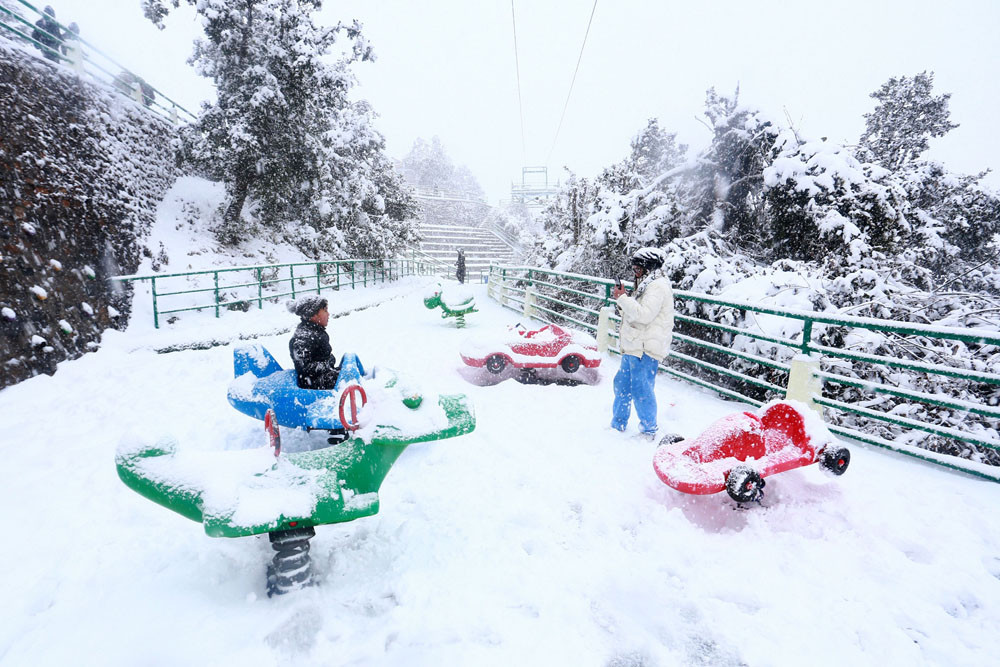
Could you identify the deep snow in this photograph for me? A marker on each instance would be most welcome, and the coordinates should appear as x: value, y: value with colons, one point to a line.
x: 542, y: 538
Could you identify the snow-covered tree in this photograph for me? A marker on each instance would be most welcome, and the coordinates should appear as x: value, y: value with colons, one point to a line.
x: 905, y: 118
x: 655, y: 151
x: 428, y: 165
x: 465, y: 181
x: 284, y: 132
x: 957, y: 223
x: 956, y: 220
x: 821, y: 200
x: 728, y: 188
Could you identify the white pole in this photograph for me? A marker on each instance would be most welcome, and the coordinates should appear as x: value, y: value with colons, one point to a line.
x: 803, y: 381
x: 604, y: 329
x: 529, y: 302
x: 75, y: 54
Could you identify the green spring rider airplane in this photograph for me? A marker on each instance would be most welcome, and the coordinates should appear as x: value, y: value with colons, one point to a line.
x: 237, y: 493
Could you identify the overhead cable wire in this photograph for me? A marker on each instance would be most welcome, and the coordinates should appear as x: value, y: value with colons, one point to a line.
x: 517, y: 68
x: 570, y: 93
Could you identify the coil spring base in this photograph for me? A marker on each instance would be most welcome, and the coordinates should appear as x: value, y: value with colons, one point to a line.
x: 291, y: 568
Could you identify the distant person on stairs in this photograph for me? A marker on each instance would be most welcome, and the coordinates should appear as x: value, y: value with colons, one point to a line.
x: 460, y: 267
x: 310, y: 344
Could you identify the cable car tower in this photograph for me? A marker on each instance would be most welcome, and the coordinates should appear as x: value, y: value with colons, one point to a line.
x: 534, y: 190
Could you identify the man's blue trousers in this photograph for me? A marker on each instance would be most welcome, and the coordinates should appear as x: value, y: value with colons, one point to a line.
x: 634, y: 383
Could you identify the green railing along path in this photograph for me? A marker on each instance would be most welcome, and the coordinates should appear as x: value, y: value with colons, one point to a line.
x: 243, y: 286
x: 580, y: 300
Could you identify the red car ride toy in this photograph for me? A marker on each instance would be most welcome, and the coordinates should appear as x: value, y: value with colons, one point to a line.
x: 738, y: 451
x: 548, y: 347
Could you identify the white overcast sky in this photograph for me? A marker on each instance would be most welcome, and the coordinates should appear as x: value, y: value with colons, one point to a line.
x: 447, y: 68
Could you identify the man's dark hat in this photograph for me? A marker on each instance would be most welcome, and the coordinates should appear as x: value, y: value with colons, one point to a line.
x: 307, y: 306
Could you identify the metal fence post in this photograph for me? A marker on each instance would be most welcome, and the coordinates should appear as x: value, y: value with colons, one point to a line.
x: 338, y: 275
x: 215, y: 275
x: 807, y: 327
x: 156, y: 313
x: 354, y: 273
x: 291, y: 278
x: 260, y: 290
x: 317, y: 276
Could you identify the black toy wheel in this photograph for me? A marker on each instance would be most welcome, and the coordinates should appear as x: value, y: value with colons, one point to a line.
x: 496, y: 363
x: 571, y: 364
x: 744, y: 484
x: 835, y: 460
x: 671, y: 438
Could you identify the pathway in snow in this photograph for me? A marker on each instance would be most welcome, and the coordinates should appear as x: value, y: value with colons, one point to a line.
x: 541, y: 538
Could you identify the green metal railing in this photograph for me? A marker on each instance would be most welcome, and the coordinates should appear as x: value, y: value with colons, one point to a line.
x: 78, y: 52
x: 577, y: 299
x: 262, y: 282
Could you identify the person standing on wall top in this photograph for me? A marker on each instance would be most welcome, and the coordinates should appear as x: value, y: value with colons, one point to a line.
x: 310, y: 344
x: 647, y: 324
x: 460, y: 267
x: 47, y: 34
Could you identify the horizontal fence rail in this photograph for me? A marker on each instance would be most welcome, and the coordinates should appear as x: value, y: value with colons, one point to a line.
x: 60, y: 45
x: 703, y: 353
x: 240, y: 287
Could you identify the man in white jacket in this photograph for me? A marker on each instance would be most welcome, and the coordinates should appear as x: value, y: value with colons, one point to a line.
x: 644, y: 339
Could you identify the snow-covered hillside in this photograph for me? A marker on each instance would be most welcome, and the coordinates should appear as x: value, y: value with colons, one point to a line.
x: 542, y: 538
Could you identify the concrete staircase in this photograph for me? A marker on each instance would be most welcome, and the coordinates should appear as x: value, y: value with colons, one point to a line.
x: 442, y: 243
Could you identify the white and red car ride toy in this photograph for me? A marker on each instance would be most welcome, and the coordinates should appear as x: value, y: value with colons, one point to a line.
x: 548, y: 347
x: 738, y: 451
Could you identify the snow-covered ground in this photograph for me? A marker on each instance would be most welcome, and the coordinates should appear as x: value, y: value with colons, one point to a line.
x: 542, y: 538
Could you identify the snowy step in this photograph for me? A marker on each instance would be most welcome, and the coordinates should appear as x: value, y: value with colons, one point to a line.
x: 477, y: 248
x: 482, y: 247
x: 471, y: 250
x: 456, y: 231
x: 458, y: 235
